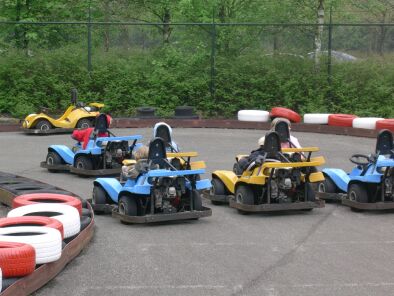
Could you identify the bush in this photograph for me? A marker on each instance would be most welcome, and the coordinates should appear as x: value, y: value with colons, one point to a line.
x: 168, y: 77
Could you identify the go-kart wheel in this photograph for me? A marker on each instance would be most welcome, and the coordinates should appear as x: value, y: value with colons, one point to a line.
x: 99, y: 197
x: 197, y: 202
x: 217, y: 188
x: 128, y: 206
x: 237, y: 169
x: 84, y: 123
x: 327, y: 186
x: 83, y: 162
x: 53, y: 158
x: 244, y: 195
x: 43, y: 125
x: 357, y: 192
x: 311, y: 193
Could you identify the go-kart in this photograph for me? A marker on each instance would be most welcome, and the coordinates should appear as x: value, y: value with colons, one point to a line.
x: 77, y: 115
x: 102, y: 156
x: 271, y: 182
x: 370, y: 185
x: 159, y: 193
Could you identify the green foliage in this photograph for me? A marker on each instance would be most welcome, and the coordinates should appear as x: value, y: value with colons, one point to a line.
x: 168, y: 77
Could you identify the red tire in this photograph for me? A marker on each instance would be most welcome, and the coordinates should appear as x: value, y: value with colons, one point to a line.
x: 341, y: 119
x: 285, y: 113
x: 385, y: 124
x: 17, y: 259
x: 28, y: 199
x: 32, y: 221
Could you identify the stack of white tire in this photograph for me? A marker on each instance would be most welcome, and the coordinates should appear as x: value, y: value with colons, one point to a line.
x: 366, y: 122
x: 316, y: 118
x: 253, y: 115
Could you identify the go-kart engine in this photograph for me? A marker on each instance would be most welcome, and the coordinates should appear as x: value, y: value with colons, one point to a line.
x: 389, y: 184
x: 115, y: 153
x: 283, y: 182
x: 167, y: 193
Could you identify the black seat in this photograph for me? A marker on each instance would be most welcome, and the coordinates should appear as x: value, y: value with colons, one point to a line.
x: 101, y: 124
x: 157, y: 153
x: 384, y: 143
x: 272, y: 146
x: 282, y: 128
x: 163, y: 132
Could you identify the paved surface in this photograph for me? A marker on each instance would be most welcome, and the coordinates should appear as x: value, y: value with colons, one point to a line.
x: 329, y: 251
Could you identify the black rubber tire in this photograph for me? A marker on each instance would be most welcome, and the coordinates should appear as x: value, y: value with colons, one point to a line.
x: 357, y: 192
x: 185, y: 112
x: 85, y: 221
x: 128, y: 206
x: 84, y: 123
x: 197, y: 201
x: 327, y: 186
x: 147, y: 112
x: 43, y: 125
x: 311, y: 193
x: 53, y: 158
x: 218, y: 188
x: 86, y: 213
x: 6, y: 282
x: 244, y: 194
x: 99, y: 197
x: 84, y: 162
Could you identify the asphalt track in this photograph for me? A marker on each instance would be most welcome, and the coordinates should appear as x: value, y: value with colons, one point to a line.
x: 329, y: 251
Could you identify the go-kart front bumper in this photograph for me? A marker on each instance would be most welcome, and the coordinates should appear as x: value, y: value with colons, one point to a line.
x: 330, y: 196
x: 370, y: 206
x: 57, y: 168
x: 294, y: 206
x: 95, y: 173
x: 215, y: 198
x: 187, y: 215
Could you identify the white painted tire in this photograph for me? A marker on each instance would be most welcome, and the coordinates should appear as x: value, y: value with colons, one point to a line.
x: 1, y: 280
x: 253, y: 115
x: 46, y: 241
x: 316, y: 118
x: 66, y: 214
x: 366, y: 122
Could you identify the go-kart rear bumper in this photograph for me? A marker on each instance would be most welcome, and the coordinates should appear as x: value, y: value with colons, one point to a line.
x: 206, y: 212
x: 373, y: 206
x: 52, y: 131
x: 59, y: 167
x: 100, y: 172
x: 330, y: 196
x: 216, y: 198
x: 277, y: 207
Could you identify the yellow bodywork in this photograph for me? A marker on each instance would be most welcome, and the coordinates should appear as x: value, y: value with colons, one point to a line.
x: 260, y: 174
x: 129, y: 161
x: 194, y: 165
x: 69, y: 119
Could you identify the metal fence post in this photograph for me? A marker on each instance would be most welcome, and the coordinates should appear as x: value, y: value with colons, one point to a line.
x: 213, y: 61
x: 90, y: 38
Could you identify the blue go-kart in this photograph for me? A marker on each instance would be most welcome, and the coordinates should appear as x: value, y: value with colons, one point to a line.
x: 159, y: 193
x: 102, y: 156
x: 370, y: 185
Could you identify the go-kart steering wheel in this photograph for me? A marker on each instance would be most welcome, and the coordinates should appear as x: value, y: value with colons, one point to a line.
x: 360, y: 159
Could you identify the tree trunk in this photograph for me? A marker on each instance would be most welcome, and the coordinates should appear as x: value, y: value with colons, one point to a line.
x: 319, y: 33
x: 166, y: 26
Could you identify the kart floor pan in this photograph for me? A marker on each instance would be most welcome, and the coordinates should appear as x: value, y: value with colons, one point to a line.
x: 374, y: 206
x: 104, y: 209
x: 277, y: 207
x: 102, y: 172
x: 206, y: 212
x: 330, y: 196
x: 52, y: 131
x: 59, y: 167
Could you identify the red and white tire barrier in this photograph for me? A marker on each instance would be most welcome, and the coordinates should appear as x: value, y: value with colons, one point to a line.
x: 17, y: 259
x: 33, y: 198
x: 66, y: 214
x: 46, y: 241
x: 253, y: 115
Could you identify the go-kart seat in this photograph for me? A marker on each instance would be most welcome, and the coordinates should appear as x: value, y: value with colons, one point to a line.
x: 384, y: 143
x: 157, y: 153
x: 101, y: 124
x: 282, y: 129
x: 163, y: 132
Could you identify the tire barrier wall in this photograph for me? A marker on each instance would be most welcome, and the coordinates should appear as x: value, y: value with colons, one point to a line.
x: 12, y: 186
x: 228, y: 124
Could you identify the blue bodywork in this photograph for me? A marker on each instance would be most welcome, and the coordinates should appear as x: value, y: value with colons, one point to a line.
x: 142, y: 185
x: 371, y: 174
x: 94, y: 147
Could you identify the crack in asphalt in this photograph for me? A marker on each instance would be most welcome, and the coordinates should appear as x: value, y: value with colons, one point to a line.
x: 284, y: 260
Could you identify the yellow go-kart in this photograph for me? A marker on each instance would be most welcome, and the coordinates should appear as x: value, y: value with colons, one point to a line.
x: 77, y: 115
x: 277, y: 180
